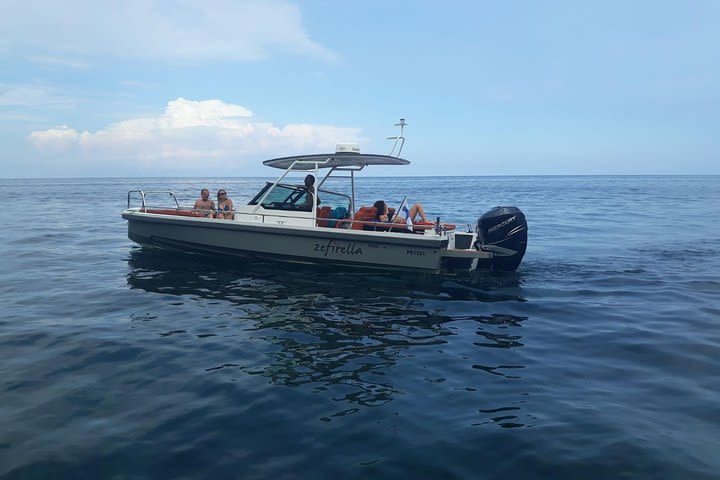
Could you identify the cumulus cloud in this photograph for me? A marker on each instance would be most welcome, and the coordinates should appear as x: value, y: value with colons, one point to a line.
x: 204, y: 135
x: 180, y: 30
x: 61, y: 133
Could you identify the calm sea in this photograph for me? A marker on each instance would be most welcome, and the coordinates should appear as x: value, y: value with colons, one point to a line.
x: 598, y: 359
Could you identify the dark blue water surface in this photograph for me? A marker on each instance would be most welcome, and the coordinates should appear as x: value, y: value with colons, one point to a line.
x: 599, y: 358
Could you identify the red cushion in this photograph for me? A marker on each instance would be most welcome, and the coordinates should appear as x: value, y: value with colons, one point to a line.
x: 364, y: 214
x: 169, y: 211
x: 322, y: 214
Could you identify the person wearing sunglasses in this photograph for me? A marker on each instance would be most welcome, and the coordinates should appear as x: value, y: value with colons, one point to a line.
x: 203, y: 204
x: 225, y: 206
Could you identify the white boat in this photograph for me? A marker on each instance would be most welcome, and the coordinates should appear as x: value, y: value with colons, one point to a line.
x: 275, y: 225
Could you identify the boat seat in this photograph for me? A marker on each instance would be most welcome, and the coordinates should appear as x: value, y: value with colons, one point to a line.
x: 367, y: 214
x: 172, y: 211
x: 323, y: 216
x: 364, y: 214
x: 338, y: 217
x: 420, y: 225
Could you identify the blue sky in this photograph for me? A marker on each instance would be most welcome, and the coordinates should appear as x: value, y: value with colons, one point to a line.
x: 146, y: 88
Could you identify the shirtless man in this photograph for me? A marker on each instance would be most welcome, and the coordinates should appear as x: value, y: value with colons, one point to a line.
x: 203, y: 204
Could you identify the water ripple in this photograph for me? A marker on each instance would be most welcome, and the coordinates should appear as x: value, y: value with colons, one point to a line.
x: 596, y: 359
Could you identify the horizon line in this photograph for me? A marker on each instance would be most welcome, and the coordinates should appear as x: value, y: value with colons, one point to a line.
x: 388, y: 176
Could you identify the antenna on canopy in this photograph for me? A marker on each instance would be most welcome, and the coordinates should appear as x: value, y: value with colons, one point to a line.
x: 399, y: 138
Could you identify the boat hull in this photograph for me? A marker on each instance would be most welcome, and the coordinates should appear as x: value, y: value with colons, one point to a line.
x: 383, y: 250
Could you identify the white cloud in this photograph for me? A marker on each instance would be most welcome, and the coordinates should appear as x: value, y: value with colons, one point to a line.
x: 201, y: 135
x: 32, y: 96
x: 179, y: 30
x: 61, y: 133
x: 63, y: 62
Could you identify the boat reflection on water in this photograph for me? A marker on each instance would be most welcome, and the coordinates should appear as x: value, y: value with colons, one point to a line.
x: 163, y: 271
x: 347, y: 332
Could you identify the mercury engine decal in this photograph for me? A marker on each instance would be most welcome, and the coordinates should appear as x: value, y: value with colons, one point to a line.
x: 502, y: 224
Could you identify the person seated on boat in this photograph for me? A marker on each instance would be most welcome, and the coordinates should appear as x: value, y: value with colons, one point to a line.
x: 203, y: 204
x: 225, y: 206
x: 382, y: 215
x: 309, y: 196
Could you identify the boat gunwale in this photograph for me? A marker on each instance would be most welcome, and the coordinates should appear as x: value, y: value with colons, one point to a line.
x: 403, y: 238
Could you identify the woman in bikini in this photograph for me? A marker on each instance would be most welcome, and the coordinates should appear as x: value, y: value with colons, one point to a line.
x: 225, y: 206
x: 381, y: 213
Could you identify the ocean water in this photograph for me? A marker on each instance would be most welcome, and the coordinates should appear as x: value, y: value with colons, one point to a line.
x: 599, y: 358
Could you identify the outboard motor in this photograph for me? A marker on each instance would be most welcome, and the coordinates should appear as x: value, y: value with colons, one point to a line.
x: 503, y: 231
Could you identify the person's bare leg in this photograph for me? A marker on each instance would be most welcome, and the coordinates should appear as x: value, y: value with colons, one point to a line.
x: 417, y: 209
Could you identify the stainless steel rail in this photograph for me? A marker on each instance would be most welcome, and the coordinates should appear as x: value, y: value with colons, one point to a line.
x: 142, y: 193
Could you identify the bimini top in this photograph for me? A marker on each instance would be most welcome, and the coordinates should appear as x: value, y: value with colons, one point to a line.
x: 329, y: 160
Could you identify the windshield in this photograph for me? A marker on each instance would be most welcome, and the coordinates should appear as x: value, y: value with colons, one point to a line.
x: 294, y: 197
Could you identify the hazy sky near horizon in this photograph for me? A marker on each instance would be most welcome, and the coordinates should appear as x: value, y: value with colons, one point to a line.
x: 212, y: 88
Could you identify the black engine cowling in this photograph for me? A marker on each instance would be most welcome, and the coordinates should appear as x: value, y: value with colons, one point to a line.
x: 503, y: 231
